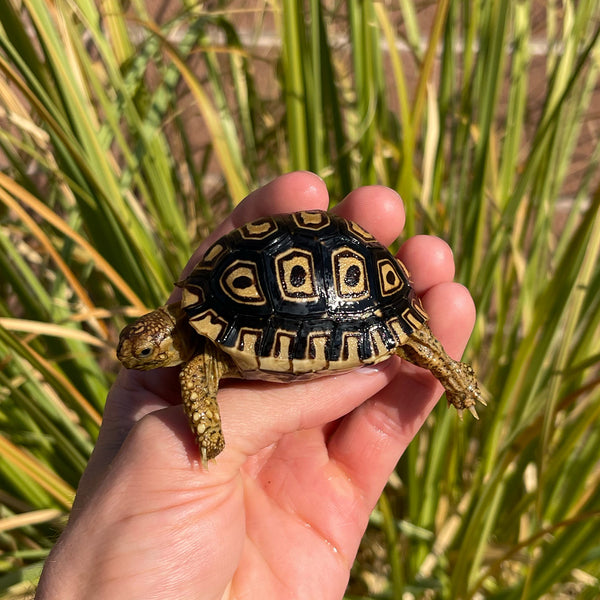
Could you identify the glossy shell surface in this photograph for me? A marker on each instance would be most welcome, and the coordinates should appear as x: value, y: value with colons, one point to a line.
x: 301, y: 294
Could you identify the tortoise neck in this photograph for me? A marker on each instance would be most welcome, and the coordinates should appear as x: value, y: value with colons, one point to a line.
x: 185, y: 339
x: 174, y: 311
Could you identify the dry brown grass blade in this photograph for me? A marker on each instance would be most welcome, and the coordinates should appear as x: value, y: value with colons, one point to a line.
x: 50, y: 329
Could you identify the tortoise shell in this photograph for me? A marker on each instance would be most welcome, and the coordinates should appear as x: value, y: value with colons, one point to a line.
x: 294, y: 295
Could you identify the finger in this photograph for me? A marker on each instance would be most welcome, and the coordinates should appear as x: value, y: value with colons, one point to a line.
x: 429, y: 261
x: 377, y: 209
x: 300, y: 190
x: 370, y: 441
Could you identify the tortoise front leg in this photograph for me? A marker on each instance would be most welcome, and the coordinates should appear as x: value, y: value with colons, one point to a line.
x: 199, y: 386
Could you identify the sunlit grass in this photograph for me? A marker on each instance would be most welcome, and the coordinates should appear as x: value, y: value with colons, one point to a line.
x: 105, y: 189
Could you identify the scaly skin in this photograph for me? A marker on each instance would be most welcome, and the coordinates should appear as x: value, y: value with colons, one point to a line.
x: 424, y: 350
x: 199, y: 386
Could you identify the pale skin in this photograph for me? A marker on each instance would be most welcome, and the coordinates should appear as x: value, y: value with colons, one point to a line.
x: 281, y: 511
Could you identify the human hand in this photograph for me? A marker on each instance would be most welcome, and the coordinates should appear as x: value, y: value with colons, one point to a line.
x: 281, y: 511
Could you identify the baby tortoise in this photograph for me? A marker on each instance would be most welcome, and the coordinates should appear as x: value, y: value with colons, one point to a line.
x: 283, y: 298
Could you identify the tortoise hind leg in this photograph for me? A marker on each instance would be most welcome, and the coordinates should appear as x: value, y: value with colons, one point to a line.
x: 424, y: 350
x: 199, y: 386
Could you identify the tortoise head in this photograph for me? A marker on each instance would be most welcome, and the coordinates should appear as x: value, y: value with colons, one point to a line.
x: 152, y: 341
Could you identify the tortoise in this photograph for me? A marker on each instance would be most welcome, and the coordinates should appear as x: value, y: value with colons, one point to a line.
x: 288, y: 297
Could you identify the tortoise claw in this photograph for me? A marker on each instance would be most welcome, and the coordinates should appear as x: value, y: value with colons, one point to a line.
x: 474, y: 412
x: 471, y: 409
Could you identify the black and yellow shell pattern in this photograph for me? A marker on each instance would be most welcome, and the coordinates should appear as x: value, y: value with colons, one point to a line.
x: 301, y: 293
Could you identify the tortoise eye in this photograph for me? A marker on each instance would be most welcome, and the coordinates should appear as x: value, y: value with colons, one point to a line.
x: 145, y: 352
